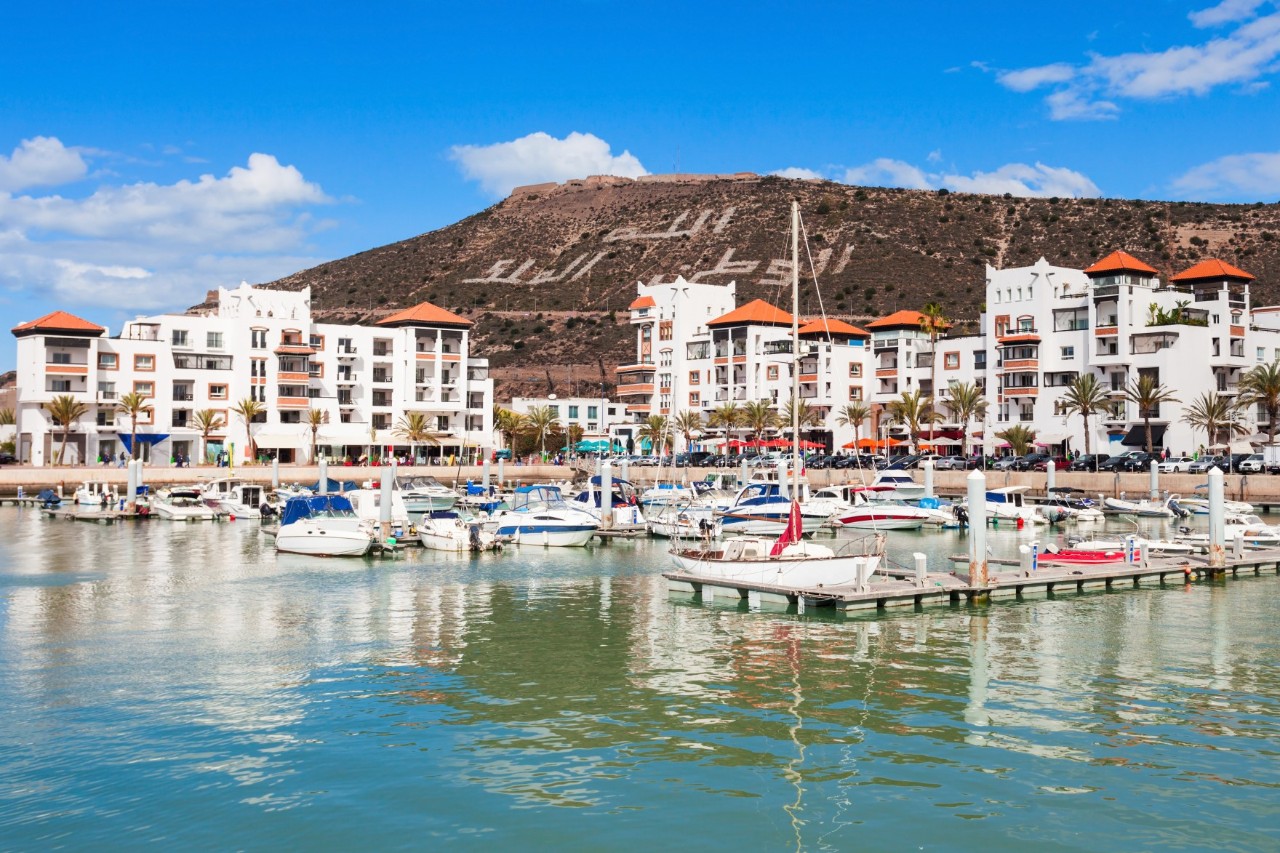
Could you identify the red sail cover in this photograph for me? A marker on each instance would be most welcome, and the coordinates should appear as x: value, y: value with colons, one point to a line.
x: 791, y: 533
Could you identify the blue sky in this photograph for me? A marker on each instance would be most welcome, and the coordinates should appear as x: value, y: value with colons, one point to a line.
x: 151, y: 151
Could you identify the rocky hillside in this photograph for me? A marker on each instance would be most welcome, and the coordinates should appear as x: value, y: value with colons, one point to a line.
x: 547, y: 273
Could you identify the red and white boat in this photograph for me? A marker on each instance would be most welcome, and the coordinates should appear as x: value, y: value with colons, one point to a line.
x: 1083, y: 558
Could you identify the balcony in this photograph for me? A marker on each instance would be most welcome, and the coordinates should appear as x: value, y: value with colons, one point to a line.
x: 107, y: 396
x: 635, y: 389
x: 1021, y: 391
x: 1014, y: 365
x: 292, y: 376
x: 648, y: 367
x: 181, y: 396
x: 885, y: 344
x: 381, y: 378
x: 293, y: 402
x: 886, y: 373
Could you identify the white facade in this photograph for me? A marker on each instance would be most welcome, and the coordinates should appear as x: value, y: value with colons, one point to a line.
x: 258, y: 344
x: 595, y: 416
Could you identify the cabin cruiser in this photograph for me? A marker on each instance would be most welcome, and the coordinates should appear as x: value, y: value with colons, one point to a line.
x: 97, y: 493
x: 539, y: 515
x: 1248, y: 527
x: 367, y: 504
x: 624, y: 504
x: 182, y: 503
x: 446, y: 530
x: 323, y: 526
x: 897, y: 486
x: 1167, y: 508
x: 1008, y: 504
x: 234, y: 498
x: 425, y: 494
x: 682, y: 521
x: 763, y: 506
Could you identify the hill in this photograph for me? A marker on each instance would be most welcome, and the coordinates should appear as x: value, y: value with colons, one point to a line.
x: 548, y: 272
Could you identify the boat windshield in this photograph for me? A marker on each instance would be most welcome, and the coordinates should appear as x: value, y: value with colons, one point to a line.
x: 316, y: 506
x: 530, y: 497
x: 419, y: 483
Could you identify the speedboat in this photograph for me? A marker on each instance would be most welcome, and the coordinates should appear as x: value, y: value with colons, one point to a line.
x: 97, y: 493
x: 624, y: 506
x: 1150, y: 546
x: 539, y: 515
x: 234, y: 498
x: 367, y: 504
x: 323, y: 526
x: 182, y: 503
x: 1143, y: 508
x: 678, y: 521
x: 898, y: 486
x: 425, y: 494
x: 447, y: 531
x: 763, y: 507
x: 1082, y: 557
x: 1008, y: 504
x: 1250, y: 528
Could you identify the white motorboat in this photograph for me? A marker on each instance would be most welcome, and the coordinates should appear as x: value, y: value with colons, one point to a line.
x: 663, y: 494
x: 97, y: 493
x: 625, y: 512
x: 539, y: 515
x: 1008, y: 504
x: 182, y: 503
x: 898, y: 486
x: 367, y: 504
x: 763, y: 506
x: 1143, y: 508
x: 864, y: 510
x: 1200, y: 506
x: 677, y: 521
x: 323, y: 526
x: 234, y: 498
x: 1150, y: 546
x: 425, y: 494
x: 448, y: 531
x: 1248, y: 527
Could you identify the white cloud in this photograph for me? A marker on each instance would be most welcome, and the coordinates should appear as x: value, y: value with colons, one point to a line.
x: 41, y: 161
x: 1246, y: 176
x: 541, y: 157
x: 887, y: 172
x: 798, y: 173
x: 1226, y: 12
x: 935, y: 156
x: 1087, y: 91
x: 159, y: 246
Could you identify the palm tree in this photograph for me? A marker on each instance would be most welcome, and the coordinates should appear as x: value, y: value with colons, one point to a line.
x: 1261, y: 387
x: 758, y: 416
x: 727, y: 417
x: 415, y: 428
x: 967, y: 403
x: 506, y: 424
x: 914, y: 409
x: 657, y: 432
x: 1085, y: 396
x: 1212, y: 413
x: 207, y: 421
x: 800, y: 412
x: 687, y: 423
x: 853, y: 414
x: 1020, y: 438
x: 133, y: 404
x: 540, y: 422
x: 65, y: 410
x: 316, y: 418
x: 933, y: 322
x: 1148, y: 394
x: 6, y: 417
x: 574, y: 434
x: 248, y: 409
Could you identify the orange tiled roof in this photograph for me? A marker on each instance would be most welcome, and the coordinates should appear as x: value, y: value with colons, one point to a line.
x: 1117, y: 261
x: 834, y: 327
x: 900, y: 320
x: 58, y: 321
x: 426, y: 314
x: 1211, y: 269
x: 642, y: 302
x: 757, y: 312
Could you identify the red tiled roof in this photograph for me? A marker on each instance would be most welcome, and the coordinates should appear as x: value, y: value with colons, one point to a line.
x: 832, y: 326
x: 1118, y: 261
x: 426, y: 314
x: 901, y: 320
x: 757, y: 313
x: 642, y: 302
x: 57, y: 321
x: 1212, y: 269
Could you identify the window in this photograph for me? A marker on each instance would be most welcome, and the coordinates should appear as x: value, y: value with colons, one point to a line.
x: 442, y: 423
x: 148, y: 362
x: 1068, y: 353
x: 59, y: 358
x: 593, y: 412
x: 664, y: 330
x: 855, y: 393
x: 695, y: 398
x: 980, y: 360
x: 107, y: 361
x: 146, y: 389
x: 1262, y: 353
x: 258, y: 367
x: 951, y: 361
x: 771, y: 372
x: 317, y: 341
x: 573, y: 413
x: 60, y: 385
x: 695, y: 377
x: 258, y: 339
x: 855, y: 370
x: 555, y: 410
x: 213, y: 340
x: 257, y: 392
x: 180, y: 337
x: 217, y: 392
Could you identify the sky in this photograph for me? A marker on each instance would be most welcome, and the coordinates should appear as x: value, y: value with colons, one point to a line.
x: 152, y: 151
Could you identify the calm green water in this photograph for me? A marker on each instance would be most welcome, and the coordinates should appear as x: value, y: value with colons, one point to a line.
x: 165, y: 685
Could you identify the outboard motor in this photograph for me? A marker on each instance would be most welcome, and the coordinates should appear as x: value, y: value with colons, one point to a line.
x: 473, y: 533
x: 961, y: 514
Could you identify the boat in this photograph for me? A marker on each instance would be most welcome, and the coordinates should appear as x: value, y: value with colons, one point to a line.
x: 763, y: 506
x: 1248, y: 527
x: 897, y: 485
x: 1008, y: 504
x: 677, y: 521
x: 447, y: 531
x: 1082, y: 557
x: 367, y: 505
x: 234, y: 498
x: 323, y: 526
x: 1150, y: 546
x: 182, y: 503
x: 788, y: 562
x: 1144, y: 508
x: 539, y: 515
x: 1200, y: 506
x: 97, y: 493
x: 625, y: 512
x: 425, y: 494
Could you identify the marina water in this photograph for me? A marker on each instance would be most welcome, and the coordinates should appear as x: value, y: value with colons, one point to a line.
x: 166, y: 685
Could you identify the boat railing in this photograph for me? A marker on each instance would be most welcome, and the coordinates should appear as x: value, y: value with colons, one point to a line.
x: 865, y: 545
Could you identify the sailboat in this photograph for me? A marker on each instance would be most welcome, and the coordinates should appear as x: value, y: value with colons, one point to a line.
x: 789, y: 560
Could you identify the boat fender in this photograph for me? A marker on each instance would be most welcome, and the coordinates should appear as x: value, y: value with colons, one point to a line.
x: 1021, y: 522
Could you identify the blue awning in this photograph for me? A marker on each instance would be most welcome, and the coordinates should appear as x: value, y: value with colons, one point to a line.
x: 143, y: 438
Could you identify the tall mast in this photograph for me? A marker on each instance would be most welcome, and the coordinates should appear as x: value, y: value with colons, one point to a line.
x: 795, y: 349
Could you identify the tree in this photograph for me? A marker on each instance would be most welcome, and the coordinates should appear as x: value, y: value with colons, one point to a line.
x: 687, y: 423
x: 1020, y: 438
x: 133, y: 405
x: 853, y: 414
x: 1085, y: 396
x: 6, y: 417
x: 967, y: 403
x: 65, y: 410
x: 207, y: 421
x: 506, y: 423
x: 1212, y: 413
x: 727, y: 417
x: 1148, y: 394
x: 914, y: 409
x: 316, y: 418
x: 248, y: 409
x: 799, y: 411
x: 657, y: 432
x: 575, y: 434
x: 933, y: 322
x: 540, y: 422
x: 1261, y: 387
x: 415, y: 428
x: 759, y: 416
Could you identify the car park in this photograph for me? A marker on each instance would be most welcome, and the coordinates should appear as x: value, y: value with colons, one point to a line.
x: 1178, y: 464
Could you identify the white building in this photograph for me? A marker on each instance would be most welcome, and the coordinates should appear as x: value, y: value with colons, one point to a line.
x: 597, y: 417
x: 255, y: 344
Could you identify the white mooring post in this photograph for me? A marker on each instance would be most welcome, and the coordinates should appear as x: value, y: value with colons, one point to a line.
x: 928, y: 477
x: 324, y: 476
x: 502, y: 480
x: 1049, y: 471
x: 484, y: 474
x: 606, y: 495
x: 384, y: 500
x: 922, y: 569
x: 1155, y: 480
x: 131, y: 491
x: 1217, y: 521
x: 977, y: 483
x: 275, y: 473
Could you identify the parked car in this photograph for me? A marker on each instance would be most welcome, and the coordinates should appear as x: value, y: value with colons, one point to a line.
x: 951, y: 463
x: 1181, y: 464
x: 920, y: 458
x: 1059, y: 463
x: 1253, y: 464
x: 1086, y: 462
x: 1007, y: 463
x: 1237, y: 459
x: 1031, y: 460
x: 1203, y: 465
x: 8, y: 459
x: 1121, y: 461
